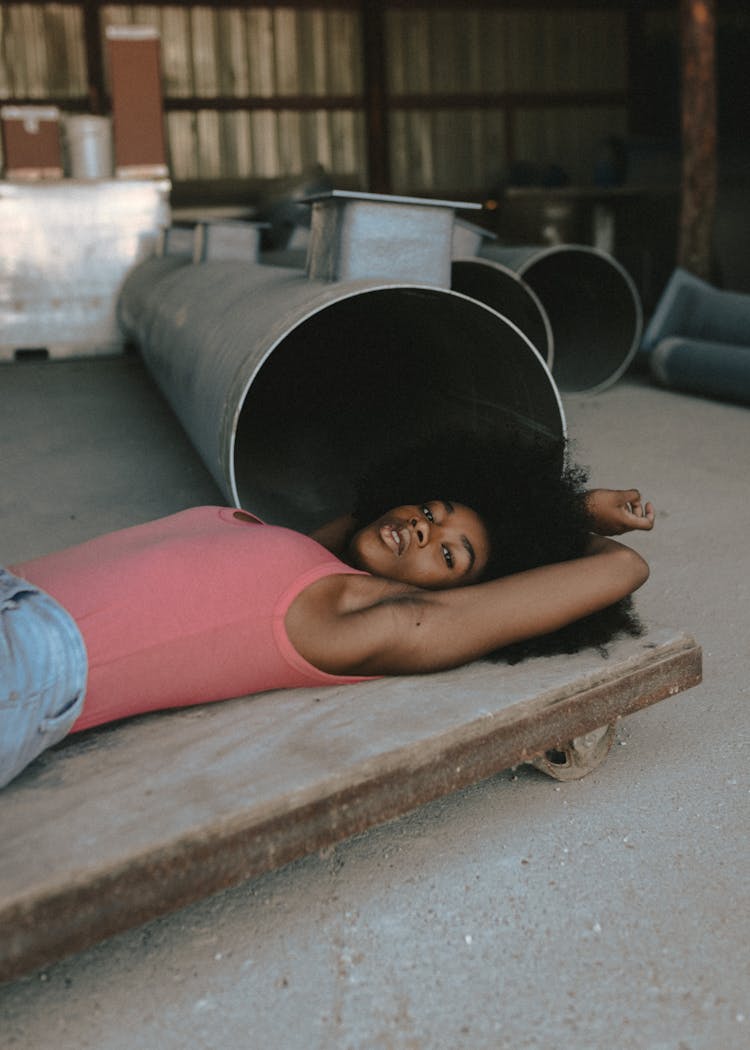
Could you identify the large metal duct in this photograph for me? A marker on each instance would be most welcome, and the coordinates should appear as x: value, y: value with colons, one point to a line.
x: 713, y: 369
x: 698, y: 338
x: 503, y: 290
x: 593, y: 308
x: 695, y: 309
x: 287, y: 384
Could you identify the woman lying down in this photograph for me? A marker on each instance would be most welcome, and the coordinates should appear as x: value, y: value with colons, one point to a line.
x: 459, y: 550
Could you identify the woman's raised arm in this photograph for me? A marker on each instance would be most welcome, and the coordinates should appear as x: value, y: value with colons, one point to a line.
x: 338, y: 626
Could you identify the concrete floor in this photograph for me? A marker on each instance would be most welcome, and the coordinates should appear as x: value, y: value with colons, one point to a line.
x: 520, y: 913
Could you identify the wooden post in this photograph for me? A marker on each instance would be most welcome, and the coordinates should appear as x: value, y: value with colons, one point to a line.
x: 92, y: 36
x: 699, y: 165
x: 376, y: 105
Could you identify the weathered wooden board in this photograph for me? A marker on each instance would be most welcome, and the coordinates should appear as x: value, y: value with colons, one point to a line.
x: 119, y: 825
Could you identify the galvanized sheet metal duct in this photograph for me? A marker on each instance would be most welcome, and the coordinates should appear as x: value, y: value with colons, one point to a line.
x: 691, y: 307
x: 714, y: 369
x: 593, y: 308
x: 286, y: 385
x: 503, y: 290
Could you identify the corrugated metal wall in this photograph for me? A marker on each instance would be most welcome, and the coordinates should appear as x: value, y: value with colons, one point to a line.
x: 469, y: 90
x: 265, y: 53
x: 522, y: 58
x: 41, y: 51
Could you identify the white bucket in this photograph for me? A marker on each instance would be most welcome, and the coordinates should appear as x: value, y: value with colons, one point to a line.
x: 89, y: 147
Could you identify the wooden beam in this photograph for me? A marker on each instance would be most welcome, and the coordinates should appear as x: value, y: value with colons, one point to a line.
x: 699, y: 135
x: 376, y: 108
x: 502, y: 99
x: 92, y: 38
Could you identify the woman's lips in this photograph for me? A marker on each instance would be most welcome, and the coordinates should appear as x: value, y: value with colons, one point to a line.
x: 395, y: 537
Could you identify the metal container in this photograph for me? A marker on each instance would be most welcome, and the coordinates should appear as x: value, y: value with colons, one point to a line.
x: 88, y: 147
x: 67, y: 247
x: 593, y: 307
x: 363, y: 235
x: 286, y: 385
x: 468, y: 239
x: 503, y: 290
x: 227, y: 239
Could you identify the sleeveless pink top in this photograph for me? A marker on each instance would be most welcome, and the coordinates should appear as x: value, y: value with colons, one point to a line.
x: 186, y: 609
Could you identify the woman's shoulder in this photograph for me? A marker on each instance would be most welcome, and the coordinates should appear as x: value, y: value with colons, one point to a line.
x: 350, y: 591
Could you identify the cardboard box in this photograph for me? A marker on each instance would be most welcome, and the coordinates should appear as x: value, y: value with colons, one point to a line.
x: 31, y: 142
x: 137, y: 107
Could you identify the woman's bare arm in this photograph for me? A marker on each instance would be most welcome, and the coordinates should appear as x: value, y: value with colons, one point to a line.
x: 337, y: 626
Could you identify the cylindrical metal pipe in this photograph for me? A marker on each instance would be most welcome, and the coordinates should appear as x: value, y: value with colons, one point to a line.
x: 593, y: 308
x: 695, y: 309
x: 288, y: 386
x: 714, y: 369
x: 505, y: 291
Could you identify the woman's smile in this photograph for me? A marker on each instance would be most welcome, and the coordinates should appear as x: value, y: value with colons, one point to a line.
x: 397, y: 537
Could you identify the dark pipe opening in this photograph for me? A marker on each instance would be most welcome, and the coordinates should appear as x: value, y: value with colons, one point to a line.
x: 594, y: 313
x: 506, y: 292
x: 31, y: 353
x: 367, y: 374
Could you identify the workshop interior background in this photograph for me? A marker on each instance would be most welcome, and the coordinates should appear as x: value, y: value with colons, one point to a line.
x: 526, y: 107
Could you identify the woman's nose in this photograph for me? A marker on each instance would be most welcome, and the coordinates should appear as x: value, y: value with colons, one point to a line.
x: 421, y: 529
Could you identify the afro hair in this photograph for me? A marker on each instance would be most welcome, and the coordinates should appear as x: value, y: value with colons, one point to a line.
x: 531, y: 499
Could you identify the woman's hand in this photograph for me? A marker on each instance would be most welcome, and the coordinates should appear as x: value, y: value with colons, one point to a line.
x: 614, y: 511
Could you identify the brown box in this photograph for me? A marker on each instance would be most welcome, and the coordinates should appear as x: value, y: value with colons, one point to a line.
x: 137, y: 110
x: 31, y: 142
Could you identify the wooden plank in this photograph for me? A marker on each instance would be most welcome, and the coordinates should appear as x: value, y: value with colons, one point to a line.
x: 287, y: 71
x: 343, y: 43
x: 182, y: 153
x: 208, y: 143
x: 236, y: 144
x: 264, y: 129
x: 176, y: 52
x: 205, y: 59
x: 260, y: 44
x: 119, y: 825
x: 232, y: 49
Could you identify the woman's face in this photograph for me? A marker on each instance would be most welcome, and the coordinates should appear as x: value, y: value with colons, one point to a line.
x: 435, y: 545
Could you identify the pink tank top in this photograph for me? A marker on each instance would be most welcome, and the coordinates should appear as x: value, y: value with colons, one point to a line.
x: 186, y: 609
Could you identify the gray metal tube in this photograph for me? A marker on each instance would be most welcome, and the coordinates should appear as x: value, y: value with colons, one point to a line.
x: 286, y: 385
x: 503, y: 290
x: 714, y: 369
x: 696, y: 309
x: 592, y: 304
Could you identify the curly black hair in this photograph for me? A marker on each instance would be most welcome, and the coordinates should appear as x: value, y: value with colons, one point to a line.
x: 531, y: 499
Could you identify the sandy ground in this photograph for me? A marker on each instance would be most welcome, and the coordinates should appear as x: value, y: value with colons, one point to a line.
x: 520, y: 913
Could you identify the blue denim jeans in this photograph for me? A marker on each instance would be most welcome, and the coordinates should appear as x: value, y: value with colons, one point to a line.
x: 42, y: 673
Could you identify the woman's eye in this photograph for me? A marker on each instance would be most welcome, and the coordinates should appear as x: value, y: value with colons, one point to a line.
x: 448, y: 557
x: 428, y: 513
